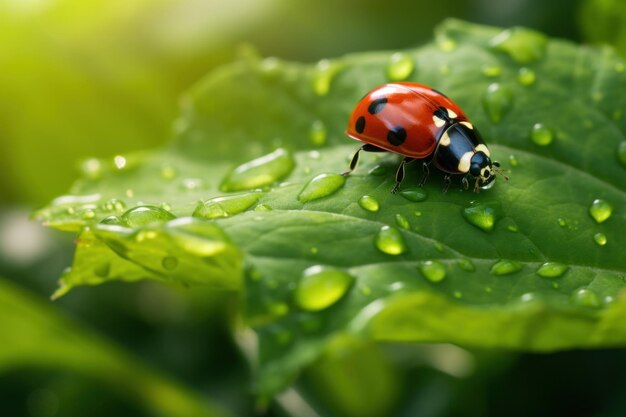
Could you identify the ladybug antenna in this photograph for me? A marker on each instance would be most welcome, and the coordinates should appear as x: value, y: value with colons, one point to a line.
x: 499, y: 171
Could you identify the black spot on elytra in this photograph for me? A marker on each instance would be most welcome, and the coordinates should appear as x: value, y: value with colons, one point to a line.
x: 377, y: 105
x: 439, y: 92
x: 396, y: 135
x: 359, y: 126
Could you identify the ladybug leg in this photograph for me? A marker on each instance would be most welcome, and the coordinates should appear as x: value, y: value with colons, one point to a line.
x: 465, y: 182
x: 426, y: 171
x: 400, y: 173
x: 355, y: 159
x: 446, y: 183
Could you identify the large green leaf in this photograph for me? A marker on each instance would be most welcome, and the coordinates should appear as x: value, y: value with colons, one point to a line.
x: 35, y: 336
x: 524, y: 265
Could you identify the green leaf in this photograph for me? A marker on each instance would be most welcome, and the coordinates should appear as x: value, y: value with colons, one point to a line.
x: 36, y: 336
x: 528, y: 264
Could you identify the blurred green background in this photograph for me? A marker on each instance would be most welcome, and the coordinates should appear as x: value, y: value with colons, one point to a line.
x: 103, y: 77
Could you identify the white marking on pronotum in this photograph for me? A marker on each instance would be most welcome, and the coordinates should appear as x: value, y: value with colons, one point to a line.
x: 483, y: 148
x: 468, y: 125
x: 464, y: 162
x: 438, y: 121
x: 451, y: 114
x: 445, y: 139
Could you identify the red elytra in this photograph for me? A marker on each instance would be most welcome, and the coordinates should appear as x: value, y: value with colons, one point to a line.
x: 406, y: 110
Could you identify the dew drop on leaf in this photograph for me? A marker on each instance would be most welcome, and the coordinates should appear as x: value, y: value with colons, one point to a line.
x: 369, y: 203
x: 169, y: 262
x: 400, y: 66
x: 466, y: 265
x: 512, y: 228
x: 552, y: 270
x: 541, y: 135
x: 119, y: 161
x: 600, y: 210
x: 586, y: 297
x: 414, y: 194
x: 321, y: 186
x: 114, y: 205
x: 323, y: 76
x: 521, y: 44
x: 434, y: 271
x: 389, y: 240
x: 402, y: 221
x: 168, y: 172
x: 513, y: 161
x: 492, y: 70
x: 114, y: 220
x: 263, y: 207
x: 318, y: 133
x: 89, y: 214
x: 526, y: 76
x: 320, y: 287
x: 226, y: 206
x: 600, y: 239
x: 145, y: 215
x: 482, y: 215
x: 505, y: 267
x: 561, y: 222
x: 92, y: 168
x: 102, y: 270
x: 259, y: 172
x: 497, y: 101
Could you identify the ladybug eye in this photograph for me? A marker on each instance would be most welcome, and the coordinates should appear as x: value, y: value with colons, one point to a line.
x: 475, y: 170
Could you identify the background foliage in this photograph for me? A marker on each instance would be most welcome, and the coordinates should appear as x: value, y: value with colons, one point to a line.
x: 183, y: 333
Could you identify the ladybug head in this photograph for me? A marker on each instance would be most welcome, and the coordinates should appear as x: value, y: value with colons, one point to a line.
x: 483, y: 170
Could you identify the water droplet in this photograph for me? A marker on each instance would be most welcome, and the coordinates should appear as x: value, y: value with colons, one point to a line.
x: 321, y: 186
x: 263, y: 207
x: 497, y: 101
x: 389, y: 240
x: 168, y: 172
x: 526, y: 76
x: 144, y: 215
x: 482, y: 215
x: 521, y: 44
x: 402, y: 221
x: 434, y: 271
x: 318, y: 133
x: 397, y: 286
x: 552, y: 270
x: 492, y: 70
x: 466, y: 265
x: 111, y: 220
x: 600, y: 239
x: 621, y: 153
x: 165, y: 206
x: 102, y: 270
x: 323, y: 76
x: 89, y: 214
x: 114, y: 205
x: 119, y: 161
x: 377, y: 170
x: 513, y: 161
x: 600, y: 210
x: 320, y: 287
x: 226, y: 206
x: 561, y: 222
x: 414, y: 194
x: 417, y: 213
x: 369, y: 203
x: 130, y: 193
x: 505, y: 267
x: 259, y: 172
x: 586, y: 298
x: 541, y: 135
x: 169, y: 262
x: 444, y: 42
x: 512, y: 228
x: 71, y: 211
x: 92, y: 168
x: 400, y: 66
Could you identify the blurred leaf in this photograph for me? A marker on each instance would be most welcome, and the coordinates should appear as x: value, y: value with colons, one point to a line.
x: 35, y: 336
x: 604, y: 21
x: 523, y: 265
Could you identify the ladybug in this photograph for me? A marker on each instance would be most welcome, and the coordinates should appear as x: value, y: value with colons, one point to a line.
x: 421, y: 123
